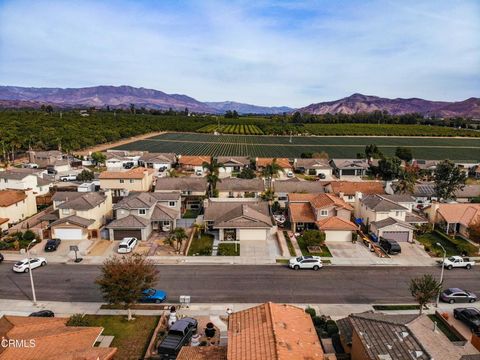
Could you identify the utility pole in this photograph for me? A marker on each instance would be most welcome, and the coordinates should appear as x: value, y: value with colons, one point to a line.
x: 30, y: 272
x: 443, y: 269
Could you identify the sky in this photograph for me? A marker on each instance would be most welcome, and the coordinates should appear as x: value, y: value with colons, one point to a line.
x: 262, y: 52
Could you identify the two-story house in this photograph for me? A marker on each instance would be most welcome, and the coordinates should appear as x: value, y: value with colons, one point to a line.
x: 24, y: 179
x: 158, y: 161
x: 240, y: 188
x: 284, y: 163
x: 349, y: 167
x: 325, y: 212
x: 52, y: 159
x: 284, y: 187
x: 232, y: 164
x: 123, y: 182
x: 313, y: 167
x: 192, y: 189
x: 139, y: 214
x: 80, y: 215
x: 193, y: 163
x: 15, y: 206
x: 346, y: 190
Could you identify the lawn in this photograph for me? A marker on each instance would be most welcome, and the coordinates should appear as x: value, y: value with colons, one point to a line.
x: 190, y: 214
x: 228, y: 250
x: 202, y: 246
x: 131, y: 337
x: 301, y: 243
x: 452, y: 246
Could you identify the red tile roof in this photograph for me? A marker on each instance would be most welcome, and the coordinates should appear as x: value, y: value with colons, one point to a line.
x: 10, y: 197
x: 350, y: 187
x: 283, y: 162
x: 301, y: 212
x: 193, y: 160
x: 336, y: 223
x: 319, y: 201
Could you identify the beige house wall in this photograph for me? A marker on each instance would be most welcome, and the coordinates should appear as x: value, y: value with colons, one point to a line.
x: 21, y: 210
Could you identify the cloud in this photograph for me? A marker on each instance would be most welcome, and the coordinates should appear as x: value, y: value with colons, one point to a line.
x: 262, y: 52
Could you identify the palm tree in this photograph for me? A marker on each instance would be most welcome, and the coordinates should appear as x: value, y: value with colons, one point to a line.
x: 212, y: 174
x: 176, y: 238
x: 424, y: 289
x: 405, y: 183
x: 270, y: 171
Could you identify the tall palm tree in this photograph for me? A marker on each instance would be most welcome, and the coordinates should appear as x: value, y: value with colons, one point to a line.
x: 405, y: 183
x: 270, y: 171
x: 212, y: 174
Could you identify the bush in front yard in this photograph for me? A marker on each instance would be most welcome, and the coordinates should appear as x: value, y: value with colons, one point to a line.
x: 78, y: 320
x: 311, y: 311
x: 313, y: 237
x: 29, y: 235
x: 332, y: 328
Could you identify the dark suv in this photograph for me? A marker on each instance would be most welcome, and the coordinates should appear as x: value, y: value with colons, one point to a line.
x: 390, y: 246
x: 469, y: 316
x: 52, y: 244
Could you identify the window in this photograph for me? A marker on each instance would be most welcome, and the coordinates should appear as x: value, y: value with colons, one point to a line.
x: 350, y: 197
x: 131, y: 181
x: 171, y: 203
x: 65, y: 211
x: 323, y: 212
x: 122, y: 181
x: 142, y: 211
x: 397, y: 213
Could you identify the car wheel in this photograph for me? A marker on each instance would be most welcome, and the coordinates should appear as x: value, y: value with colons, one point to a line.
x: 316, y: 267
x: 468, y: 267
x: 471, y: 300
x: 296, y: 267
x: 449, y: 267
x: 43, y: 263
x: 157, y: 301
x: 26, y: 270
x: 451, y: 301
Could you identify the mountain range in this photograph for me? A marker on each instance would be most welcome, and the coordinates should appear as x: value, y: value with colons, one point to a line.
x: 123, y: 96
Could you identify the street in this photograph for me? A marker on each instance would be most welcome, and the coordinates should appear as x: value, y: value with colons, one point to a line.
x: 240, y: 284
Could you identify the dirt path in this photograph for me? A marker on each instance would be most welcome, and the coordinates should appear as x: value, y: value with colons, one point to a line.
x: 105, y: 146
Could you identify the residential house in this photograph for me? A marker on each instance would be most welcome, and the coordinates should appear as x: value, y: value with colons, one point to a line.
x: 284, y: 163
x: 376, y: 336
x: 427, y: 166
x: 232, y: 164
x: 284, y: 187
x: 313, y: 167
x: 15, y: 206
x: 118, y: 159
x: 52, y: 159
x: 50, y: 338
x: 389, y: 216
x: 123, y: 182
x: 158, y: 161
x: 193, y: 163
x: 454, y: 218
x: 326, y: 212
x: 349, y: 167
x: 425, y: 192
x: 240, y: 188
x: 475, y: 172
x: 238, y: 220
x: 346, y: 190
x: 193, y: 190
x: 80, y: 215
x: 141, y: 213
x: 24, y: 179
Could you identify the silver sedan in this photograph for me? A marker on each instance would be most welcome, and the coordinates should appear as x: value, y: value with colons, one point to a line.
x: 456, y: 295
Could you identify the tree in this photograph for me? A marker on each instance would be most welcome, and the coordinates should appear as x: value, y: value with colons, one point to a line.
x: 124, y: 279
x: 474, y: 232
x: 448, y: 178
x: 404, y: 153
x: 320, y: 155
x: 99, y: 157
x: 212, y: 174
x: 424, y: 289
x: 406, y: 182
x: 85, y: 175
x: 313, y: 237
x: 373, y: 152
x: 247, y: 173
x: 176, y: 238
x: 389, y: 168
x: 270, y: 171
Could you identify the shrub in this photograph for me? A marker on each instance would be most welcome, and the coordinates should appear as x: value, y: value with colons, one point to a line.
x: 331, y: 327
x: 311, y: 311
x: 319, y: 321
x: 78, y: 320
x: 29, y: 235
x: 313, y: 237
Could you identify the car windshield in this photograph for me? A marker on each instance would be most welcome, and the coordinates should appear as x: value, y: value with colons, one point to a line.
x: 149, y: 292
x: 299, y: 258
x: 122, y: 246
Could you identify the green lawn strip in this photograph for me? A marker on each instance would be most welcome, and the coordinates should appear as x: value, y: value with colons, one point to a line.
x: 190, y: 214
x: 130, y: 337
x: 202, y: 246
x: 291, y: 249
x: 444, y: 328
x: 452, y: 246
x: 228, y: 250
x: 303, y: 247
x: 396, y: 307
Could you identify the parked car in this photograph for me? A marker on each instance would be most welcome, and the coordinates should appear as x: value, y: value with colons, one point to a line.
x: 127, y: 245
x: 290, y: 174
x: 280, y: 219
x: 305, y: 262
x: 153, y: 296
x: 166, y: 227
x: 1, y: 258
x: 390, y: 246
x: 22, y: 265
x: 179, y: 334
x: 52, y: 244
x: 457, y: 262
x: 321, y: 176
x: 128, y: 165
x: 469, y: 316
x: 454, y: 295
x: 30, y: 166
x: 70, y: 177
x: 42, y: 313
x: 199, y: 172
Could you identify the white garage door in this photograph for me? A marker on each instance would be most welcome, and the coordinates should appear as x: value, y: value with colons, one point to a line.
x: 68, y: 234
x: 338, y: 236
x: 253, y: 234
x: 396, y: 235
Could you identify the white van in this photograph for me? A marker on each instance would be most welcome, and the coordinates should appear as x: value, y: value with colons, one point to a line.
x: 127, y: 245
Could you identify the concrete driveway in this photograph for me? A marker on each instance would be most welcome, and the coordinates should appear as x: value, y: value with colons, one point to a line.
x: 347, y: 253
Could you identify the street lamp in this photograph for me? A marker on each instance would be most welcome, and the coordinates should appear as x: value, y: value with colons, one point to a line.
x: 30, y: 272
x: 443, y: 269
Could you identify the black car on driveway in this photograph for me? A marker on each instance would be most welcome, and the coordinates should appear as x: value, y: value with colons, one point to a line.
x: 179, y: 334
x: 469, y: 316
x: 52, y: 245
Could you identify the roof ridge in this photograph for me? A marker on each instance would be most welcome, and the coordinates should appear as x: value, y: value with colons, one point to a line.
x: 271, y: 318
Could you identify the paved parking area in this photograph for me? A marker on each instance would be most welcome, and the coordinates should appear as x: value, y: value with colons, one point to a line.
x: 62, y: 250
x: 347, y: 253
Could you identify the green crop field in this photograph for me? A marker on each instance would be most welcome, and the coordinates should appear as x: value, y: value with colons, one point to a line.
x: 280, y: 146
x: 241, y: 129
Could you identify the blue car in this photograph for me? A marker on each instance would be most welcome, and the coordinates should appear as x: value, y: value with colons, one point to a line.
x: 153, y: 296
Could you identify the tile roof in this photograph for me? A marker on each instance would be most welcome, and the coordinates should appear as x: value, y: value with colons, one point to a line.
x: 351, y: 187
x: 272, y: 332
x: 412, y: 218
x: 425, y: 164
x: 87, y: 201
x: 163, y: 213
x: 283, y: 162
x: 159, y: 157
x: 312, y: 164
x: 350, y: 163
x: 143, y: 200
x: 240, y: 214
x: 10, y: 197
x: 399, y: 198
x: 129, y: 222
x: 202, y: 353
x: 3, y: 220
x: 193, y: 160
x: 66, y: 195
x: 325, y: 200
x: 428, y: 190
x: 238, y: 184
x: 301, y: 212
x: 380, y: 203
x: 197, y: 184
x: 462, y: 213
x: 53, y: 340
x: 391, y: 221
x: 234, y: 160
x: 75, y: 220
x: 135, y: 173
x: 336, y: 223
x: 298, y: 186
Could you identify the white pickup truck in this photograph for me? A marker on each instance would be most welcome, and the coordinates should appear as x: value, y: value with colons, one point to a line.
x: 457, y: 262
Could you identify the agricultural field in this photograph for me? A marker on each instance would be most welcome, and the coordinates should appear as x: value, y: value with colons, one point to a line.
x: 284, y: 146
x: 241, y: 129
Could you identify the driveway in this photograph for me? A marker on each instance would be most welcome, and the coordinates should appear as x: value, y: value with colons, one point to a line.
x: 347, y: 253
x: 412, y: 255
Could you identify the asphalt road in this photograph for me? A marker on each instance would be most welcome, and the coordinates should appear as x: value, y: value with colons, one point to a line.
x: 241, y: 284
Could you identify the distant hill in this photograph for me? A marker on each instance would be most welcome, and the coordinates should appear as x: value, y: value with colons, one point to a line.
x: 241, y: 108
x: 365, y: 103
